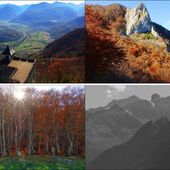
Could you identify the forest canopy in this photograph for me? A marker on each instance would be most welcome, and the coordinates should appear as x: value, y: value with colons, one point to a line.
x: 42, y: 122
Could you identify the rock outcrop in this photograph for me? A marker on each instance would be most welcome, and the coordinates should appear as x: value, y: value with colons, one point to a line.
x: 138, y: 20
x: 155, y: 98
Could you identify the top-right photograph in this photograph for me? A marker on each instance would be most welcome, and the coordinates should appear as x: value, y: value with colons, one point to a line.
x: 127, y: 42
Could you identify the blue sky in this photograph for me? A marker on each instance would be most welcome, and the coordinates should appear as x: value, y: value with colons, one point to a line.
x: 159, y: 10
x: 21, y: 2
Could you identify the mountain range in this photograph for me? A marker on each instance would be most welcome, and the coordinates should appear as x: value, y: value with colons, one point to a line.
x: 41, y: 12
x: 149, y: 148
x: 118, y: 121
x: 10, y: 11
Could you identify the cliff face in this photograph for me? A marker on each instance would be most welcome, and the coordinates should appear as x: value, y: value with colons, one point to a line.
x: 138, y: 20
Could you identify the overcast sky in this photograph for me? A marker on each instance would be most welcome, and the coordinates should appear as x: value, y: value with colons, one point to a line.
x: 21, y: 2
x: 158, y: 10
x: 103, y: 94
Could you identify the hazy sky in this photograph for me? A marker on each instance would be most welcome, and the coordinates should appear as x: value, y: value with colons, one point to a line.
x: 41, y: 87
x: 158, y: 10
x: 103, y: 94
x: 21, y: 2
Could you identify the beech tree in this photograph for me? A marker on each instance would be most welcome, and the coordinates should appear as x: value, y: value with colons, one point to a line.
x: 44, y: 122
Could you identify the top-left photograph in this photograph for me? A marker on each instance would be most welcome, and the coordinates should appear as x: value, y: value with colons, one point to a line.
x: 42, y: 41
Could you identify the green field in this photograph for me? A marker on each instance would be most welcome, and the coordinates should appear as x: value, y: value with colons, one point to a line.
x: 36, y: 41
x: 41, y: 163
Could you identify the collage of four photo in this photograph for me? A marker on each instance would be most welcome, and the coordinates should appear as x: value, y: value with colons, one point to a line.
x: 84, y: 84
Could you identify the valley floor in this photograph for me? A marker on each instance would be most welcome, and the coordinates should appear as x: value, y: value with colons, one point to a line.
x: 44, y: 162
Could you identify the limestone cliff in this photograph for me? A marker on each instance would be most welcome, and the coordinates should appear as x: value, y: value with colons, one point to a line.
x: 138, y: 20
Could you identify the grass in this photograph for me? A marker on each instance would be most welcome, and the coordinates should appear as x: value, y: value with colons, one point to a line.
x: 35, y: 162
x: 144, y: 36
x: 36, y: 41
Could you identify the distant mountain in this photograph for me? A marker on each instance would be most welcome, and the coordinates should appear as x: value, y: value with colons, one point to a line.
x: 9, y: 11
x: 124, y: 102
x: 44, y: 12
x: 99, y: 135
x: 61, y: 29
x: 78, y: 22
x: 107, y: 127
x: 149, y: 148
x: 79, y: 8
x: 70, y: 45
x: 43, y: 26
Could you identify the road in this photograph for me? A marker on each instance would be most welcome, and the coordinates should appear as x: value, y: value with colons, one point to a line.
x: 21, y: 40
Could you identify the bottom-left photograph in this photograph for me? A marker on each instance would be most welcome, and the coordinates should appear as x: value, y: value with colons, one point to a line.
x: 42, y: 127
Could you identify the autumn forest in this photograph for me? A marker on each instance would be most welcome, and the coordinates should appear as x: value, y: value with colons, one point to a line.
x: 42, y: 122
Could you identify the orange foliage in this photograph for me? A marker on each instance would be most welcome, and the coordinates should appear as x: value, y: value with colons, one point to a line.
x: 45, y: 120
x: 60, y: 70
x: 112, y: 56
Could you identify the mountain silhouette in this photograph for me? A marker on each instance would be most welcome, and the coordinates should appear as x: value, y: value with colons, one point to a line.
x: 149, y: 148
x: 107, y: 126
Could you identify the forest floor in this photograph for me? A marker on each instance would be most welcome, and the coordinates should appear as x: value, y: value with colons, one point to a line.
x: 45, y: 162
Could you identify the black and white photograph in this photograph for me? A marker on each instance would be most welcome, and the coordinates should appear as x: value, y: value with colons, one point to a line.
x: 127, y: 127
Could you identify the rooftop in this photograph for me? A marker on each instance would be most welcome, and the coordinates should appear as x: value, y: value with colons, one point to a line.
x: 23, y: 70
x: 8, y: 51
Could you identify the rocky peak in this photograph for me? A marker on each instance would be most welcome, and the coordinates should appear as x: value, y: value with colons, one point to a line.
x: 155, y: 98
x: 138, y: 20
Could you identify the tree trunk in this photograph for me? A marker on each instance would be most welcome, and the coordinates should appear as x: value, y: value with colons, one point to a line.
x: 30, y: 135
x: 3, y: 134
x: 70, y: 148
x: 1, y: 147
x: 53, y: 151
x: 58, y: 145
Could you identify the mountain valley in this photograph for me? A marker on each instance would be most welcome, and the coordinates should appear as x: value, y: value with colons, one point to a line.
x: 28, y: 29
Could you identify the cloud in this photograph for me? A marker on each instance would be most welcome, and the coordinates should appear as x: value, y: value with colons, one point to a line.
x: 119, y: 88
x: 114, y: 90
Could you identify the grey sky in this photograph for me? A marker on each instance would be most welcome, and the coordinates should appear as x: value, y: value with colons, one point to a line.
x: 102, y: 94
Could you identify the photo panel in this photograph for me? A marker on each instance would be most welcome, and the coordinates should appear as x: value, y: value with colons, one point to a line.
x: 127, y: 127
x: 42, y: 127
x: 42, y: 41
x: 127, y: 41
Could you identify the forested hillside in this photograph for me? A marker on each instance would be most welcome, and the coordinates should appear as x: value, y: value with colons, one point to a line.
x: 114, y: 56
